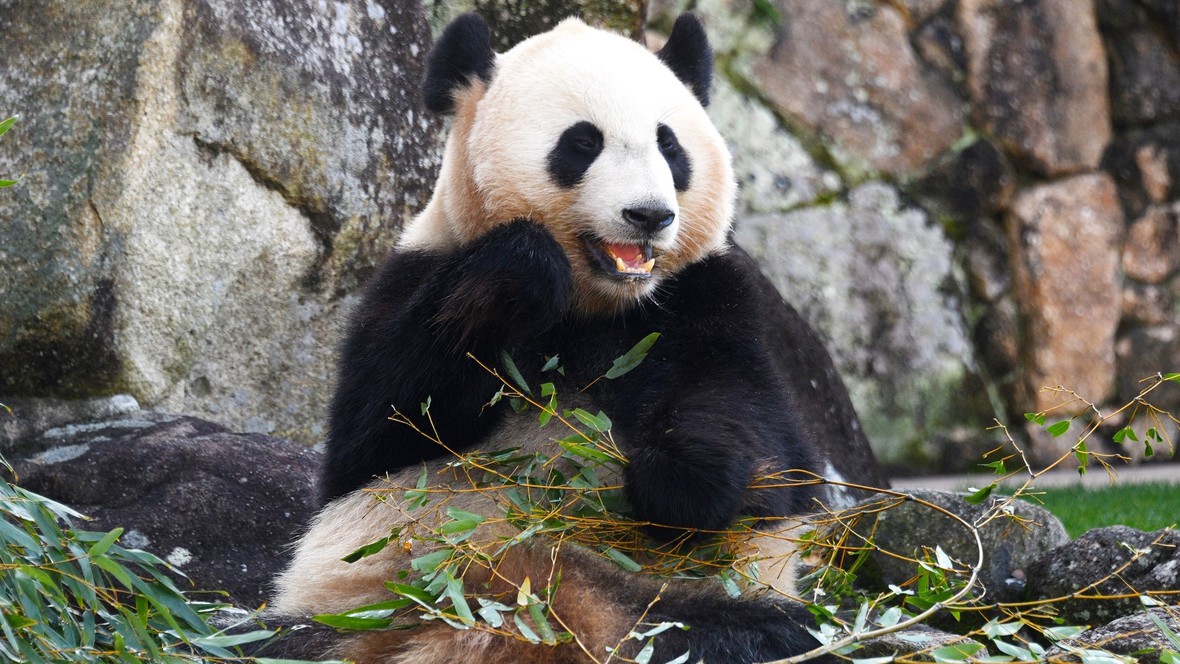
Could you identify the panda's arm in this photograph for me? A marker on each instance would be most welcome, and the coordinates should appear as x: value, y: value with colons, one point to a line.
x: 409, y: 342
x: 709, y: 412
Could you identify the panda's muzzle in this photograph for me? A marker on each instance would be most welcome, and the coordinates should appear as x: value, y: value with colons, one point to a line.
x: 620, y: 259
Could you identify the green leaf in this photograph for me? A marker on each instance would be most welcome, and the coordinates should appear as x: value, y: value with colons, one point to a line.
x: 429, y: 562
x: 425, y: 406
x: 644, y: 656
x: 349, y: 622
x: 633, y: 357
x: 454, y: 592
x: 623, y: 560
x: 585, y: 451
x: 550, y: 363
x: 229, y: 640
x: 1175, y: 377
x: 1035, y: 418
x: 514, y: 373
x: 1058, y: 428
x: 1063, y: 632
x: 462, y: 514
x: 459, y: 526
x: 979, y: 495
x: 525, y: 630
x: 7, y: 124
x: 366, y: 550
x: 1122, y: 434
x: 957, y: 652
x: 7, y: 183
x: 537, y: 611
x: 599, y: 422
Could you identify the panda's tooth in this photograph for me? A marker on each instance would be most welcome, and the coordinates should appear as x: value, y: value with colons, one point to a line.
x: 649, y: 265
x: 620, y: 265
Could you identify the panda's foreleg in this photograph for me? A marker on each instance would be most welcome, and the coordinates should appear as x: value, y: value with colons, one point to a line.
x: 419, y: 319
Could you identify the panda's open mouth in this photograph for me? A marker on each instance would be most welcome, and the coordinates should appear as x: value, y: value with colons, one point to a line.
x: 622, y: 260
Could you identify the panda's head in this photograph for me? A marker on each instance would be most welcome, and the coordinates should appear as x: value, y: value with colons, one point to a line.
x: 590, y: 134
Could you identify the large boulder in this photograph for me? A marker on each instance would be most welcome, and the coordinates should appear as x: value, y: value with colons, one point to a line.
x: 909, y: 528
x: 1102, y: 573
x: 204, y: 181
x: 1036, y: 73
x: 845, y: 73
x: 875, y: 278
x: 220, y: 507
x: 1064, y: 238
x: 1136, y: 635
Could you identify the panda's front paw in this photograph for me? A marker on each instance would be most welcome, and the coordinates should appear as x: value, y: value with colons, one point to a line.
x: 689, y: 486
x: 514, y: 282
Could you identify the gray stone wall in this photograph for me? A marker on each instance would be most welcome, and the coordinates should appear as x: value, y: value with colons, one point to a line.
x: 969, y: 199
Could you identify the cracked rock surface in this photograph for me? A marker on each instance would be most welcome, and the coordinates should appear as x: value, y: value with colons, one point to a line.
x: 204, y: 183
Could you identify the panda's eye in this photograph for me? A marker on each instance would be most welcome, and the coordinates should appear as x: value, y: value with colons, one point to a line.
x: 666, y: 141
x: 675, y: 155
x: 588, y: 144
x: 577, y: 148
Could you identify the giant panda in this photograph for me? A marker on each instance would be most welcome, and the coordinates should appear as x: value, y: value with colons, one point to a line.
x: 584, y: 201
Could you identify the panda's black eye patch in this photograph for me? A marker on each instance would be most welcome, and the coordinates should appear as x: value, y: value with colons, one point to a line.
x: 576, y: 149
x: 676, y: 157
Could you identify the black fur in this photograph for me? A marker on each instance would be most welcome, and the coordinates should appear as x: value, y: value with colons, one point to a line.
x: 699, y: 418
x: 416, y: 322
x: 688, y: 54
x: 577, y: 148
x: 676, y: 157
x: 462, y: 53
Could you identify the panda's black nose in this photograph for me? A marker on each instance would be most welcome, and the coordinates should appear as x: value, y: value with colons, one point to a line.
x: 649, y: 219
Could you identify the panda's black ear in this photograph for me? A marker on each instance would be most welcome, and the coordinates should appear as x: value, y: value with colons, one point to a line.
x: 689, y: 56
x: 462, y: 54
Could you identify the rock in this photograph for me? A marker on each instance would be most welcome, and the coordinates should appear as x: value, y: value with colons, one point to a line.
x: 1064, y: 238
x: 512, y: 21
x: 910, y: 527
x: 221, y: 507
x: 773, y: 170
x: 940, y: 46
x: 985, y: 251
x: 1144, y: 67
x: 997, y: 340
x: 1148, y: 304
x: 1144, y: 352
x: 1135, y: 635
x: 920, y: 11
x: 1152, y: 251
x: 871, y: 277
x: 973, y: 182
x: 33, y: 425
x: 1101, y: 553
x: 845, y: 73
x: 1146, y: 165
x: 204, y: 182
x: 912, y: 644
x: 1036, y: 72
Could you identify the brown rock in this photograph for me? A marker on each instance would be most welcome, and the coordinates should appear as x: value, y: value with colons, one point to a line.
x: 1146, y: 165
x: 1144, y: 77
x: 1037, y: 76
x: 1065, y: 240
x: 996, y: 337
x: 1148, y: 304
x: 1152, y: 251
x: 939, y: 45
x: 973, y: 182
x: 850, y: 76
x: 919, y: 11
x: 986, y: 256
x: 1144, y: 352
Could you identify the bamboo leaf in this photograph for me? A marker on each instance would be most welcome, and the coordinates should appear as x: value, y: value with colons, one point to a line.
x: 633, y: 357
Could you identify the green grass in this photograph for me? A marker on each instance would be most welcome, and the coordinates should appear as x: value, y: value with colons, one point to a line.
x: 1149, y: 506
